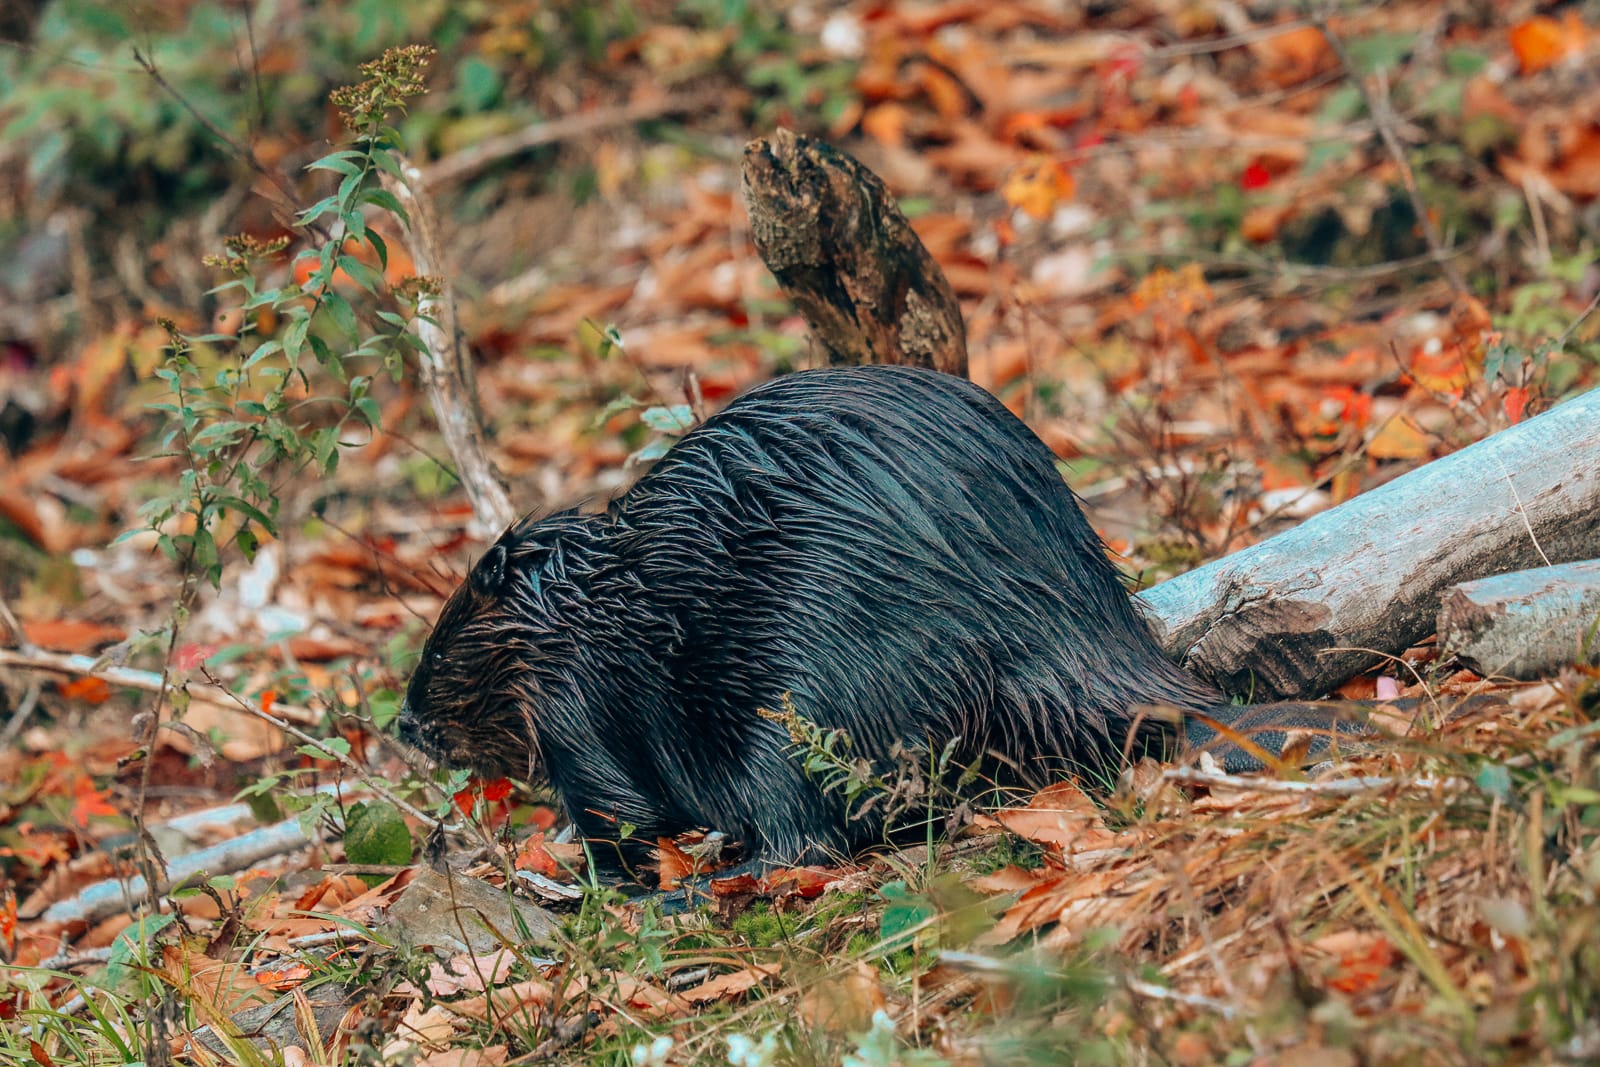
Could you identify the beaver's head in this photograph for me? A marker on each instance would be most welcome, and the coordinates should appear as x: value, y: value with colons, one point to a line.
x: 461, y: 705
x: 473, y: 699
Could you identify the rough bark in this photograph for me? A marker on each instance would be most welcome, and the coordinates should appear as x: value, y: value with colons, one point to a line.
x: 831, y: 234
x: 1527, y: 624
x: 447, y: 372
x: 1301, y: 612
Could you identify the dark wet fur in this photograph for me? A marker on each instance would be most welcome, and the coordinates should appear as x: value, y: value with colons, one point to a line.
x: 890, y: 547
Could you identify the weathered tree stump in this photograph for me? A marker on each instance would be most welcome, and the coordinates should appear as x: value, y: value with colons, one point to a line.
x: 830, y: 232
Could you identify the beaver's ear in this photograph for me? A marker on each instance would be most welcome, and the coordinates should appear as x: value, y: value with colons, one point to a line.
x: 490, y: 573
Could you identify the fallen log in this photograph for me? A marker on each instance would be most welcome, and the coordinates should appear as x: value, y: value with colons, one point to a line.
x: 1526, y: 624
x: 1301, y: 612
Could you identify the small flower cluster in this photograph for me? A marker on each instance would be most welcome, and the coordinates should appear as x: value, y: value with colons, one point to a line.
x: 392, y: 79
x: 242, y: 250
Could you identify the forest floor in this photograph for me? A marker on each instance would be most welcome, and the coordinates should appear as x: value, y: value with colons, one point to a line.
x: 1232, y: 264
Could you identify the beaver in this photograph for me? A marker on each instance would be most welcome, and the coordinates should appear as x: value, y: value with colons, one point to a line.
x: 888, y: 550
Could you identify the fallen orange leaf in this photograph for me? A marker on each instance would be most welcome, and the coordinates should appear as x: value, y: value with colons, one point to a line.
x: 1542, y: 42
x: 1037, y: 185
x: 88, y: 690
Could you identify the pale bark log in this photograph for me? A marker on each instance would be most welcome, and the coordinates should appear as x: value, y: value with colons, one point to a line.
x: 1527, y: 624
x: 1297, y: 614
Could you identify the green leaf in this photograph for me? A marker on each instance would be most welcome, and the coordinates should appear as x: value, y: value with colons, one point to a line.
x: 294, y: 338
x: 322, y: 749
x: 1495, y: 780
x: 385, y: 705
x: 133, y: 945
x: 263, y: 350
x: 363, y: 275
x: 477, y: 84
x: 380, y: 247
x: 1377, y: 50
x: 677, y: 419
x: 904, y: 911
x: 388, y: 163
x: 1342, y: 105
x: 386, y: 200
x: 339, y: 161
x: 347, y: 192
x: 1464, y: 61
x: 342, y: 314
x: 247, y: 509
x: 326, y: 205
x: 652, y: 451
x: 377, y: 833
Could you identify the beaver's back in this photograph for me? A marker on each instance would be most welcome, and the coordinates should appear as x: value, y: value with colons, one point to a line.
x: 896, y: 552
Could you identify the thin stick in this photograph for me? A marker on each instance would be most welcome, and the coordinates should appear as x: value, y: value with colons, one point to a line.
x: 459, y: 166
x: 38, y: 659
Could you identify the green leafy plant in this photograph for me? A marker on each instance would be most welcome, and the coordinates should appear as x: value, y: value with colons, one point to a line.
x: 247, y: 413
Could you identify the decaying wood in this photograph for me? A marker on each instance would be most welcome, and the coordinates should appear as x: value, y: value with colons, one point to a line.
x: 830, y: 232
x: 1527, y: 624
x: 114, y: 896
x: 447, y: 372
x: 1297, y: 614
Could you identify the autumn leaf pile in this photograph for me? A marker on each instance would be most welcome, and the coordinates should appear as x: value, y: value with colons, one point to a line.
x: 1187, y: 253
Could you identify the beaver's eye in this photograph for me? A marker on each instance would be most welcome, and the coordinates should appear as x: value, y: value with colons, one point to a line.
x: 436, y: 659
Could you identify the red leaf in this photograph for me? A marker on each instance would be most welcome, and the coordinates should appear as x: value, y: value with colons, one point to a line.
x: 1255, y: 176
x: 1516, y: 403
x: 190, y: 657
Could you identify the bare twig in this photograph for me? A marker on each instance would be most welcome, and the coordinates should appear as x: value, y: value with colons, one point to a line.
x: 1343, y: 787
x: 37, y: 659
x: 459, y: 166
x: 283, y: 205
x: 377, y: 785
x: 1572, y: 327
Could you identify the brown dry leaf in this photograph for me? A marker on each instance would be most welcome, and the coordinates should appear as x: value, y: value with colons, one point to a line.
x: 71, y: 635
x: 728, y: 986
x: 1010, y: 879
x: 843, y: 1005
x: 631, y: 994
x: 20, y: 511
x: 469, y: 973
x: 507, y: 1002
x: 493, y: 1056
x: 1565, y: 155
x: 1037, y: 186
x: 223, y: 984
x: 1262, y: 223
x: 1049, y: 901
x: 243, y: 737
x: 429, y: 1030
x: 674, y: 864
x: 886, y: 123
x: 1061, y: 817
x: 1542, y: 42
x: 1293, y: 56
x: 1364, y: 960
x: 1399, y: 439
